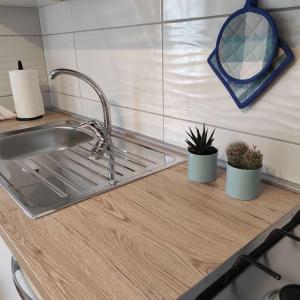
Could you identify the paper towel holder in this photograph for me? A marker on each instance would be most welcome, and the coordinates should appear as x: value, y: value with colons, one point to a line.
x: 26, y: 92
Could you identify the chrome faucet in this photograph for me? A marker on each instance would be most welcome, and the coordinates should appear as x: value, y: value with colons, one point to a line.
x: 97, y: 89
x: 103, y: 133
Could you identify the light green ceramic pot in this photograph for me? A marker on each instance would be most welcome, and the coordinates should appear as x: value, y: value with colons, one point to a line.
x: 243, y: 184
x: 202, y: 168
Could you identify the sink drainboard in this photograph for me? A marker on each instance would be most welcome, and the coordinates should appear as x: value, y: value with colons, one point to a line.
x: 45, y: 183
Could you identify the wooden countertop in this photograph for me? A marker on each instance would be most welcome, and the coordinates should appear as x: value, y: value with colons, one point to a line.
x: 50, y: 117
x: 151, y: 239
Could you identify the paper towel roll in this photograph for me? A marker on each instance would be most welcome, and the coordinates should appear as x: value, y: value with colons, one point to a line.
x: 27, y: 94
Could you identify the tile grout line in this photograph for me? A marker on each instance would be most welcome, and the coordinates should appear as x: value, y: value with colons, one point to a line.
x: 21, y: 35
x: 10, y: 95
x: 75, y: 50
x: 182, y: 20
x: 236, y: 131
x: 190, y: 121
x: 105, y: 28
x: 162, y: 67
x: 162, y: 21
x: 76, y: 64
x: 111, y: 104
x: 45, y: 62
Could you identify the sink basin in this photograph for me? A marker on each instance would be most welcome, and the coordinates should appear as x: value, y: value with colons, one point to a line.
x: 50, y: 167
x: 39, y: 141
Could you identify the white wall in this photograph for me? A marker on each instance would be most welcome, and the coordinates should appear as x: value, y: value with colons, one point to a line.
x: 20, y: 38
x: 150, y: 59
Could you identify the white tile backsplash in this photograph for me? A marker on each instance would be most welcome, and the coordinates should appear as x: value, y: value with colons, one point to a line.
x: 8, y: 102
x: 19, y: 21
x: 142, y: 122
x: 41, y: 3
x: 184, y: 9
x: 193, y: 92
x: 69, y: 103
x: 78, y: 15
x: 92, y: 14
x: 56, y: 18
x: 288, y: 24
x: 60, y: 53
x: 47, y: 99
x: 126, y: 63
x: 148, y: 77
x: 20, y: 39
x: 29, y: 49
x: 275, y: 163
x: 133, y: 120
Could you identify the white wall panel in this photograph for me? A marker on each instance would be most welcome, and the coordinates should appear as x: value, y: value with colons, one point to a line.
x: 60, y: 53
x: 133, y: 120
x: 56, y: 18
x: 183, y: 9
x: 29, y: 49
x: 19, y: 21
x: 26, y: 3
x: 92, y: 14
x: 279, y: 157
x: 124, y: 56
x: 126, y: 63
x: 7, y: 102
x: 288, y: 24
x: 77, y: 15
x: 193, y: 92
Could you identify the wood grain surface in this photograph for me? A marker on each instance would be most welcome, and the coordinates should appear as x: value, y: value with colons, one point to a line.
x: 49, y: 117
x: 151, y: 239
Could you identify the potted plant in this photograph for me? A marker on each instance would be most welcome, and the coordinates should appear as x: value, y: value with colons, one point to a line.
x: 202, y: 156
x: 243, y: 171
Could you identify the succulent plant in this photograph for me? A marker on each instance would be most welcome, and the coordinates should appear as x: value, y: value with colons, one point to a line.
x: 201, y: 144
x: 241, y: 156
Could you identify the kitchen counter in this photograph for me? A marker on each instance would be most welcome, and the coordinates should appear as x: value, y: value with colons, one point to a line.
x: 151, y: 239
x: 50, y: 117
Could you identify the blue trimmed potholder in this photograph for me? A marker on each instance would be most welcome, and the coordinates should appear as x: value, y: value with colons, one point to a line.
x: 248, y: 54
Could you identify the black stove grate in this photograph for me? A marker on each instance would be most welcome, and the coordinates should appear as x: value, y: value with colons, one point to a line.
x: 245, y: 260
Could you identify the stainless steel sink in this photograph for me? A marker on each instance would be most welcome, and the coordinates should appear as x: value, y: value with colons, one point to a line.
x: 50, y: 167
x: 39, y: 141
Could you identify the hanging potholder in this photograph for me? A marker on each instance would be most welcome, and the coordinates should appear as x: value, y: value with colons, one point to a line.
x: 246, y: 57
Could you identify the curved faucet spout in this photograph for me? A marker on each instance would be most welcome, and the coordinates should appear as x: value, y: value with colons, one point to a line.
x: 94, y: 85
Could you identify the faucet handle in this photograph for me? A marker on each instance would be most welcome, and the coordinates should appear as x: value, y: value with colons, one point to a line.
x: 90, y: 122
x: 95, y: 126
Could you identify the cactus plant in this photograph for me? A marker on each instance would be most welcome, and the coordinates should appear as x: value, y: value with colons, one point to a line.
x: 235, y: 153
x: 241, y: 156
x: 201, y: 144
x: 252, y: 159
